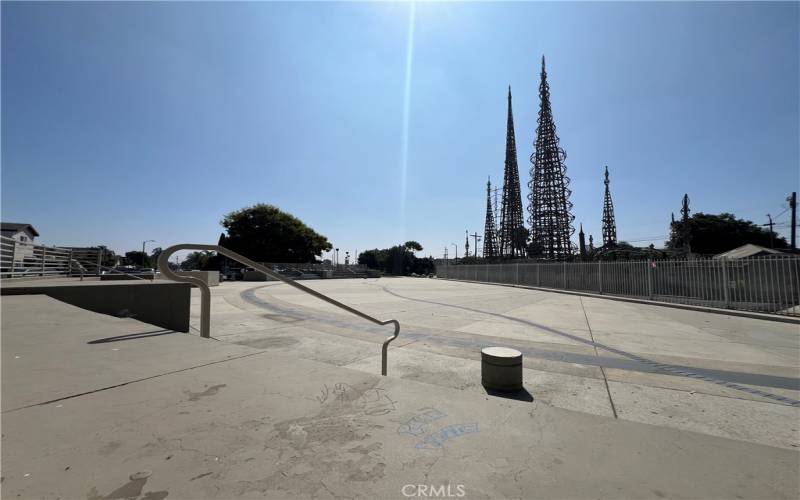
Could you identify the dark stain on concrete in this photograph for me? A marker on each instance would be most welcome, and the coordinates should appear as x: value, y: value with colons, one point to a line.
x: 210, y: 391
x: 110, y: 447
x: 201, y: 475
x: 130, y: 490
x: 270, y: 342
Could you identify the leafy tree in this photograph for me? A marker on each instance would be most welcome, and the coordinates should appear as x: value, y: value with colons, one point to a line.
x: 713, y: 234
x: 134, y: 258
x: 196, y: 261
x: 154, y: 256
x: 264, y: 233
x: 413, y: 245
x: 397, y: 260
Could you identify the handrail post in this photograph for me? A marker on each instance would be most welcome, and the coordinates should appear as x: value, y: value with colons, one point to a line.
x: 44, y: 254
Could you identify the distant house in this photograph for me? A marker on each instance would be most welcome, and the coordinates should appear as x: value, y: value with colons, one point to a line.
x: 22, y: 232
x: 748, y: 250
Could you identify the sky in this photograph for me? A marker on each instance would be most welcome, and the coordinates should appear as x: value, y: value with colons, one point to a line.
x: 377, y: 123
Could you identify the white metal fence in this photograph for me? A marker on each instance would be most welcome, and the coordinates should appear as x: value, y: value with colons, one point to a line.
x: 26, y: 260
x: 767, y: 284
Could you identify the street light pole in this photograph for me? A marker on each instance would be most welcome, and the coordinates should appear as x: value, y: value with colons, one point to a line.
x: 456, y: 257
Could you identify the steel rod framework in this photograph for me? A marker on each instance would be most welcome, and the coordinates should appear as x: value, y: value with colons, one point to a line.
x: 512, y: 234
x: 609, y: 223
x: 490, y: 249
x: 550, y: 209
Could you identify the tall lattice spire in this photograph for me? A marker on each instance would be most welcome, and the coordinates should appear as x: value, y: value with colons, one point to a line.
x: 512, y: 225
x: 489, y: 237
x: 609, y: 224
x: 466, y: 245
x: 549, y: 208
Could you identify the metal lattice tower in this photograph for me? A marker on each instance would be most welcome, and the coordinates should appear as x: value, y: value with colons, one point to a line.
x: 550, y: 209
x: 511, y: 218
x: 489, y: 236
x: 609, y: 224
x: 466, y: 245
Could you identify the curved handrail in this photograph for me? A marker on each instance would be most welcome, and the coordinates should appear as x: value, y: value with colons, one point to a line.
x: 205, y: 291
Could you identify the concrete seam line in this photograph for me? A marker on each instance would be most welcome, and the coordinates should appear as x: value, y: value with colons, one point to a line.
x: 72, y: 396
x: 602, y: 370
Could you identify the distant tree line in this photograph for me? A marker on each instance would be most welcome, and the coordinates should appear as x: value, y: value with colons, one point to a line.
x: 398, y: 260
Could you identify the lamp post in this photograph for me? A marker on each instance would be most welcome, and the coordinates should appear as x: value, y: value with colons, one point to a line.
x: 456, y: 257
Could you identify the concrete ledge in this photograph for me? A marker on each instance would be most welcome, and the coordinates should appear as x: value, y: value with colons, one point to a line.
x: 164, y: 304
x: 126, y: 277
x: 211, y: 278
x: 675, y: 305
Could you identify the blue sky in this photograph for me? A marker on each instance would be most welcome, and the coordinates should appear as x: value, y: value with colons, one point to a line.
x: 130, y: 121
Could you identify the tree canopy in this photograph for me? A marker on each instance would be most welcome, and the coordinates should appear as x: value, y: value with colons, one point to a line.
x: 713, y: 234
x: 264, y: 233
x: 398, y: 260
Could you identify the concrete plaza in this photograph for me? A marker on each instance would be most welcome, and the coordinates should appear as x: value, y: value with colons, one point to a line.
x: 622, y: 400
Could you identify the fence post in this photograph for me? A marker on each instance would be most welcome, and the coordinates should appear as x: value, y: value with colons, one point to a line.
x: 44, y: 254
x: 650, y: 278
x: 725, y: 290
x: 13, y: 256
x: 600, y: 277
x: 69, y: 263
x: 516, y: 272
x: 99, y: 259
x: 564, y: 270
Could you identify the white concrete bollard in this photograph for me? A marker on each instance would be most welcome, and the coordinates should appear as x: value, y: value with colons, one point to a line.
x: 501, y: 368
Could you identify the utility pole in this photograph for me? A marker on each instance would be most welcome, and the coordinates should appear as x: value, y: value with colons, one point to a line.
x: 456, y: 257
x: 770, y: 224
x: 792, y: 199
x: 477, y: 239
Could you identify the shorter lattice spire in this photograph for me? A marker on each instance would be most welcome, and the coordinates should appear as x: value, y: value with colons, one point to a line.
x: 609, y: 223
x: 466, y: 244
x: 489, y: 230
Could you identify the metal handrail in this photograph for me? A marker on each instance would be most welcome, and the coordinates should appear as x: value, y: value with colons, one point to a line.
x: 205, y: 291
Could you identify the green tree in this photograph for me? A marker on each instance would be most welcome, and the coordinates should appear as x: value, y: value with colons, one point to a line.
x: 134, y: 258
x: 713, y: 234
x: 413, y: 245
x: 397, y: 260
x: 264, y: 233
x: 196, y: 261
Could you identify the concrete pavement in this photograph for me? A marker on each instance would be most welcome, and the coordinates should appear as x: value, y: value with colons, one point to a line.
x: 287, y: 403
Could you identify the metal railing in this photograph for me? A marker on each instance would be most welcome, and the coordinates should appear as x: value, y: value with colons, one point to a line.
x: 24, y: 260
x: 763, y: 284
x: 205, y: 291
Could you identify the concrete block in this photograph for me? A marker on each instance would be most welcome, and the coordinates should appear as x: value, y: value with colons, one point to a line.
x: 255, y: 276
x: 211, y: 278
x: 164, y: 304
x: 501, y: 368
